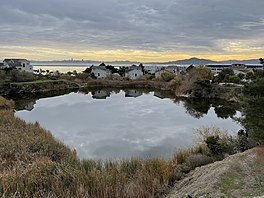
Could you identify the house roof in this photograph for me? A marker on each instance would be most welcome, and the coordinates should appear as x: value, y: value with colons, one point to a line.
x: 101, y: 68
x: 14, y: 62
x: 131, y: 68
x: 219, y: 65
x: 254, y: 65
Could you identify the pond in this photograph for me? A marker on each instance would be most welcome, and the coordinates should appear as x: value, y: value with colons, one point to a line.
x: 105, y: 124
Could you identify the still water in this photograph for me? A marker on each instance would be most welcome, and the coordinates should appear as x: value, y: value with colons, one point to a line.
x: 106, y: 124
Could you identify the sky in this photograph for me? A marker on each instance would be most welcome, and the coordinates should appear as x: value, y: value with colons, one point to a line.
x: 135, y: 30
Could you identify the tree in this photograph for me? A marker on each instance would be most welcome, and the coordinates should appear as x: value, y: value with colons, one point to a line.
x: 112, y: 69
x: 222, y: 75
x: 261, y: 61
x: 167, y: 76
x: 102, y: 64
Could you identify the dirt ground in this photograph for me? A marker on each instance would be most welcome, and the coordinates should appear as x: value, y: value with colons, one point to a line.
x: 240, y: 175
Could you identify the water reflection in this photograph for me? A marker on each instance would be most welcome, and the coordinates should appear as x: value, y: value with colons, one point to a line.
x: 101, y: 94
x: 125, y: 123
x: 133, y: 93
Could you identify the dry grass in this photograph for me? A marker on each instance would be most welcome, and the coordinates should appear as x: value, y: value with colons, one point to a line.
x: 34, y: 164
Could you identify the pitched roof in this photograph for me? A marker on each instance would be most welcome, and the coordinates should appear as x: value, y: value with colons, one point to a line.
x: 100, y: 67
x: 14, y: 62
x: 131, y: 68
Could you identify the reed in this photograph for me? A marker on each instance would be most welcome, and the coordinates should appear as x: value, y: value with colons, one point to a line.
x: 34, y: 164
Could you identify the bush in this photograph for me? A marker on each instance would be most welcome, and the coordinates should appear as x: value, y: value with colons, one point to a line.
x: 218, y: 142
x: 232, y: 79
x: 167, y: 76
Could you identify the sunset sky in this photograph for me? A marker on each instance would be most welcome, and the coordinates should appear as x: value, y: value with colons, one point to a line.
x: 135, y: 30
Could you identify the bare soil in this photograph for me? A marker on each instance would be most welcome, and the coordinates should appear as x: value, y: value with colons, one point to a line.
x: 239, y: 175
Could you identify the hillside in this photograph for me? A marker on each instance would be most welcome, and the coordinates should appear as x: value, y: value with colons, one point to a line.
x: 240, y: 175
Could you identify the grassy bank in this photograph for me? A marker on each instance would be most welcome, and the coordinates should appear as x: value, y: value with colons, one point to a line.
x: 39, y: 86
x: 34, y: 164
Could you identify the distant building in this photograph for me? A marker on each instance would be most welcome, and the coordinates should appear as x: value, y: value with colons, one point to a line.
x: 254, y: 66
x: 100, y: 72
x: 217, y: 68
x: 178, y: 69
x: 152, y: 69
x: 238, y: 68
x: 133, y: 72
x: 19, y: 64
x: 158, y: 73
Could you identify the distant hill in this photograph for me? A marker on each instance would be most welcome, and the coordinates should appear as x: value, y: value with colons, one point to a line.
x: 199, y: 61
x: 251, y: 61
x: 194, y: 61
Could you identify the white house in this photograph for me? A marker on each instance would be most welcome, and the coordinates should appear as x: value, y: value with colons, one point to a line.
x: 100, y: 72
x: 133, y: 72
x: 19, y: 64
x: 152, y: 69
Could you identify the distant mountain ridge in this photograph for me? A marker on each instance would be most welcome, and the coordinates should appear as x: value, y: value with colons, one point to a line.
x: 194, y: 61
x: 190, y: 61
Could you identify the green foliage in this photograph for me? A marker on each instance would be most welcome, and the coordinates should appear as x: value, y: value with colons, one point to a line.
x: 232, y: 79
x: 256, y: 88
x: 14, y: 75
x: 255, y: 74
x: 241, y: 76
x: 146, y: 77
x: 261, y: 60
x: 167, y: 76
x: 222, y: 75
x: 190, y: 80
x: 203, y: 73
x: 201, y: 88
x: 254, y: 116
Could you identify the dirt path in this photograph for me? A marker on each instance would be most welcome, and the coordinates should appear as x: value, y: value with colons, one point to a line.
x: 240, y: 175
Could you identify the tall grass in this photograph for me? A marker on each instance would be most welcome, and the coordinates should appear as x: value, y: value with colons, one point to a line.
x: 34, y: 164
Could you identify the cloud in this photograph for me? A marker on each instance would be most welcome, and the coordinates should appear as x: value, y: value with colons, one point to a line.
x: 149, y: 25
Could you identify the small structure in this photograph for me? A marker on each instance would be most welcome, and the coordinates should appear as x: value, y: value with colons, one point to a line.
x: 133, y: 72
x: 152, y: 69
x: 158, y: 73
x: 254, y: 66
x: 100, y: 72
x: 177, y: 69
x: 133, y: 93
x: 217, y: 68
x: 237, y: 67
x: 19, y: 64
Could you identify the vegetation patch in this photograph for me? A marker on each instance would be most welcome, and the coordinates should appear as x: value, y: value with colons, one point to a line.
x: 34, y: 164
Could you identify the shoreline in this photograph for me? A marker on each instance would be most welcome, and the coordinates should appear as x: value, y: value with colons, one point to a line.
x: 228, y: 93
x: 40, y: 154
